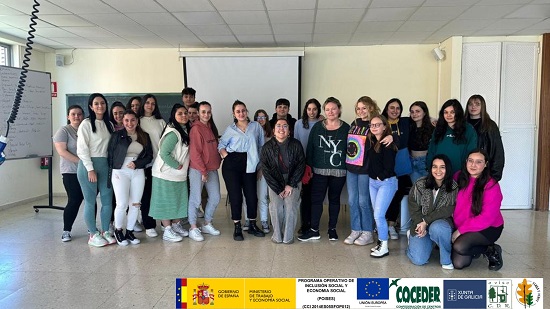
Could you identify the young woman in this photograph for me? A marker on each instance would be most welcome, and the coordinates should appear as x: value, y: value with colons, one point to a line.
x: 130, y: 150
x: 283, y: 165
x: 488, y: 134
x: 169, y: 197
x: 310, y: 115
x: 400, y: 127
x: 263, y: 119
x: 477, y: 217
x: 419, y: 138
x: 240, y: 148
x: 326, y: 150
x: 203, y: 173
x: 116, y: 114
x: 382, y: 182
x: 453, y: 135
x: 134, y: 104
x: 431, y: 203
x: 152, y: 123
x: 65, y: 145
x: 357, y: 177
x: 93, y: 170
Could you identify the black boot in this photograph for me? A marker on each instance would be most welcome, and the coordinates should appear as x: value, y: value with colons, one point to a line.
x: 494, y: 255
x: 238, y: 233
x: 253, y: 229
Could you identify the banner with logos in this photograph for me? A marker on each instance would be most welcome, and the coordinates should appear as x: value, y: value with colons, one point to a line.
x: 333, y: 293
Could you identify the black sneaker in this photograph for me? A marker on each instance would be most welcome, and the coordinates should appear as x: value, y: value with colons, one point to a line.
x: 495, y: 257
x: 309, y: 235
x: 131, y: 238
x: 238, y: 233
x: 253, y: 229
x: 120, y: 239
x: 332, y: 234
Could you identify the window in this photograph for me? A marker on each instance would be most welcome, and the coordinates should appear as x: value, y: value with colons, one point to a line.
x: 5, y: 54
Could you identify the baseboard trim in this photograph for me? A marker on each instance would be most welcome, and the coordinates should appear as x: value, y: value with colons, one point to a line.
x: 25, y: 201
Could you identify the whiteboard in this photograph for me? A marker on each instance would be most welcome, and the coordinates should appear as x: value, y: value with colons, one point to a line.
x: 31, y: 133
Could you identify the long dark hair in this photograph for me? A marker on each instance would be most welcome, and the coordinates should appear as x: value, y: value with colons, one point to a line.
x: 141, y: 135
x: 426, y: 130
x: 235, y: 104
x: 385, y: 111
x: 74, y: 107
x: 211, y: 121
x: 447, y: 179
x: 459, y: 129
x: 305, y: 117
x: 129, y: 104
x: 92, y: 113
x: 386, y: 132
x: 176, y: 125
x: 268, y: 131
x: 116, y: 104
x: 480, y: 182
x: 485, y: 124
x: 156, y: 111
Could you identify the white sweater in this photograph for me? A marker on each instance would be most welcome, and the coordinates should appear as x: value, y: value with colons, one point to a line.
x: 91, y: 145
x: 153, y: 127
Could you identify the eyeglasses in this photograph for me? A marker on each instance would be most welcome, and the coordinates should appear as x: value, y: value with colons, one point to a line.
x: 281, y: 126
x: 376, y: 125
x: 260, y: 118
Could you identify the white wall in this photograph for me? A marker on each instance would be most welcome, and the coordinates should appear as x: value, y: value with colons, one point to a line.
x: 347, y: 73
x: 23, y: 179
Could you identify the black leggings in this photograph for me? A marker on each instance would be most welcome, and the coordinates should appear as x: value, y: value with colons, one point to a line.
x: 474, y: 243
x: 75, y: 198
x: 305, y: 207
x: 237, y: 182
x: 148, y: 222
x: 404, y: 185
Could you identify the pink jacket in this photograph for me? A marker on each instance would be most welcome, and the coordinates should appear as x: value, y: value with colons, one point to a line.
x: 203, y: 147
x: 490, y: 215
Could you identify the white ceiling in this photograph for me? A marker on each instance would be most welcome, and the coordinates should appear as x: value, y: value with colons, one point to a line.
x: 268, y: 23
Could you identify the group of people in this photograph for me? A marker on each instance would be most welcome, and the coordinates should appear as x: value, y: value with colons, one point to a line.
x: 286, y: 167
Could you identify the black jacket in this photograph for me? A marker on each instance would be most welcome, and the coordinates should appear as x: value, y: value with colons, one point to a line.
x: 118, y: 147
x: 491, y: 142
x: 270, y: 166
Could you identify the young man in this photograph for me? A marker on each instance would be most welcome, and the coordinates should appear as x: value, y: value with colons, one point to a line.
x: 281, y: 112
x: 193, y: 112
x: 188, y: 96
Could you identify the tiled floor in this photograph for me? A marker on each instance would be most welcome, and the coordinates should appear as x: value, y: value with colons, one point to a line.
x: 37, y: 270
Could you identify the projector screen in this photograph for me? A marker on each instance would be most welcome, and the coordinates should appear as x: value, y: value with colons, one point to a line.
x: 258, y: 81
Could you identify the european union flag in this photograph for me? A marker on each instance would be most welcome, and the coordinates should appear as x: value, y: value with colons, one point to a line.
x: 373, y: 288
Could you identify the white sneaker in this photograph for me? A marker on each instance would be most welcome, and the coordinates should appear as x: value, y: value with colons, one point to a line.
x: 393, y: 233
x: 352, y: 237
x: 178, y: 229
x: 365, y: 239
x: 381, y: 250
x: 138, y: 227
x: 66, y: 236
x: 170, y: 236
x: 195, y: 234
x: 110, y: 238
x: 448, y: 266
x: 96, y: 240
x: 151, y: 233
x: 210, y: 229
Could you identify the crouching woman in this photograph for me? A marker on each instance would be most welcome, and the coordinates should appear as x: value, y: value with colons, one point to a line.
x: 432, y: 201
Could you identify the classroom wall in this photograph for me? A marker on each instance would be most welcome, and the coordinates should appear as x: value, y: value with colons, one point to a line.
x: 23, y: 180
x: 382, y: 72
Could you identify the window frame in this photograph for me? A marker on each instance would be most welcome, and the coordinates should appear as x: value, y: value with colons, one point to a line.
x: 8, y: 52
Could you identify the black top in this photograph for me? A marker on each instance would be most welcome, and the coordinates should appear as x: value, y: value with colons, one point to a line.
x: 381, y: 164
x: 419, y: 138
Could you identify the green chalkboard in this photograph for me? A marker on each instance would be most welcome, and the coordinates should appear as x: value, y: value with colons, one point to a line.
x: 165, y: 101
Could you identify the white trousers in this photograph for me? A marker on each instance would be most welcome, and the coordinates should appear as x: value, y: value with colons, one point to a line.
x: 128, y: 186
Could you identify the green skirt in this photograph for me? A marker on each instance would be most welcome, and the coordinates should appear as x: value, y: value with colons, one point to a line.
x: 169, y: 199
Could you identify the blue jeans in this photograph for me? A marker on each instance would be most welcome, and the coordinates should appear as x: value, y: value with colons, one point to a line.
x: 418, y: 168
x: 381, y: 194
x: 420, y: 249
x: 89, y: 190
x: 263, y: 196
x: 195, y: 197
x: 360, y: 208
